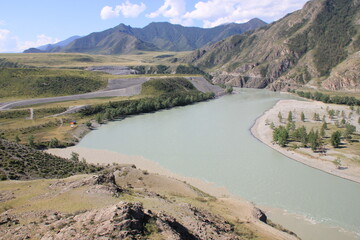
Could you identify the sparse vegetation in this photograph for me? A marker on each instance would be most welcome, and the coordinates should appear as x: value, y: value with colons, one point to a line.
x: 22, y: 162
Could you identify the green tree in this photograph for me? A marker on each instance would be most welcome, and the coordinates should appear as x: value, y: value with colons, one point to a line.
x: 74, y: 157
x: 342, y: 123
x: 301, y: 135
x: 229, y: 89
x: 324, y: 125
x: 290, y: 117
x: 314, y: 139
x: 280, y: 117
x: 322, y: 131
x: 17, y: 139
x: 316, y: 117
x: 281, y: 136
x: 290, y: 126
x: 302, y: 116
x: 31, y: 141
x: 54, y: 142
x: 331, y: 113
x: 335, y: 139
x: 349, y: 130
x: 99, y: 118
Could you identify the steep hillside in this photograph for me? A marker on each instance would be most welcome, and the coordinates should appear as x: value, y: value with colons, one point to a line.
x: 318, y: 43
x: 112, y: 41
x: 22, y: 162
x: 163, y: 36
x: 172, y: 37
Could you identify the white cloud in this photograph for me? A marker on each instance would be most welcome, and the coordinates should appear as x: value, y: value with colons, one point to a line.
x: 7, y: 41
x: 108, y: 12
x: 41, y: 39
x: 2, y: 23
x: 215, y: 12
x: 11, y: 43
x: 127, y: 9
x: 174, y: 10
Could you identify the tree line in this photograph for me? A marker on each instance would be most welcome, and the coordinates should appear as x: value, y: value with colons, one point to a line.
x: 112, y: 110
x: 326, y: 98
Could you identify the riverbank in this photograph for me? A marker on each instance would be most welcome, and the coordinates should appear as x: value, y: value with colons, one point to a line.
x: 262, y: 131
x: 244, y: 209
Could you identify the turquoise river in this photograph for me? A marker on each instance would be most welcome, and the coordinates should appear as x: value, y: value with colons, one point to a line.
x: 211, y: 141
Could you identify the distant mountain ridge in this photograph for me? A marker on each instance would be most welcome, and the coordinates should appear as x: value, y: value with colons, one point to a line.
x: 163, y: 36
x: 51, y: 47
x: 317, y: 46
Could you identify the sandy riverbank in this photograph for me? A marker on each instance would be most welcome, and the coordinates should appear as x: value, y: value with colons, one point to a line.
x: 262, y: 131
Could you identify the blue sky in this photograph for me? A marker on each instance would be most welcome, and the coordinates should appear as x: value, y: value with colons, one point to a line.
x: 30, y: 23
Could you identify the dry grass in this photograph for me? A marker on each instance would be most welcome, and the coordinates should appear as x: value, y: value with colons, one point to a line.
x: 74, y: 60
x: 38, y: 196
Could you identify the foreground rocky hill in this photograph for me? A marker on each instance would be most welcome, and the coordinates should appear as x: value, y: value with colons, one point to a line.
x: 123, y: 202
x: 317, y: 46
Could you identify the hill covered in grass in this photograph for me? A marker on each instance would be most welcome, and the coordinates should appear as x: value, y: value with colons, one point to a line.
x: 19, y: 162
x: 36, y: 82
x: 158, y: 86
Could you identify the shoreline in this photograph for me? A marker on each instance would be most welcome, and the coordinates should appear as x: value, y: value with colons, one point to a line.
x: 263, y: 133
x: 247, y: 208
x: 300, y: 225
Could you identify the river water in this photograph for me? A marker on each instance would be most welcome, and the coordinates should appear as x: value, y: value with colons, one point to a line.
x: 211, y: 141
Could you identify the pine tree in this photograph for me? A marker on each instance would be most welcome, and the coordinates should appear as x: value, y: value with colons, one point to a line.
x: 17, y: 139
x: 302, y: 116
x: 290, y: 117
x: 280, y: 117
x: 336, y: 139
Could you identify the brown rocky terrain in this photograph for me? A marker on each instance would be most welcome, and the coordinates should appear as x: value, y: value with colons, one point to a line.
x: 319, y: 43
x: 123, y: 203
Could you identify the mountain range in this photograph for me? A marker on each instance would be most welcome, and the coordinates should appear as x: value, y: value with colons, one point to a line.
x: 160, y: 36
x: 52, y: 47
x: 317, y: 46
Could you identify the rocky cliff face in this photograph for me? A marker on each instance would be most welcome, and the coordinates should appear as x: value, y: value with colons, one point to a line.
x: 319, y: 42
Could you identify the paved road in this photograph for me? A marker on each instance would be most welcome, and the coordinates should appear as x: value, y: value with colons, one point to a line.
x: 116, y: 88
x: 133, y: 88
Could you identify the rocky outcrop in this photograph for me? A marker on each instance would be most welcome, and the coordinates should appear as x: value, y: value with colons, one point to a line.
x: 346, y: 76
x: 258, y: 214
x: 123, y: 221
x: 317, y: 42
x: 98, y: 184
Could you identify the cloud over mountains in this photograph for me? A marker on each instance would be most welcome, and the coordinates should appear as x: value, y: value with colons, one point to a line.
x: 210, y: 13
